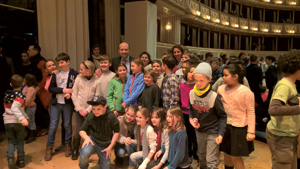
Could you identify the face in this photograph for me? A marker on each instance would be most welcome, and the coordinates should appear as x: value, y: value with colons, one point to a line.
x: 201, y: 80
x: 145, y: 59
x: 268, y: 62
x: 214, y: 65
x: 156, y: 68
x: 209, y: 59
x: 155, y: 119
x: 185, y: 57
x: 130, y: 116
x: 104, y: 64
x: 135, y: 68
x: 190, y: 75
x: 84, y: 71
x: 124, y: 50
x: 172, y: 120
x: 25, y: 57
x: 140, y: 119
x: 148, y: 79
x: 31, y: 52
x: 50, y: 67
x: 177, y: 54
x: 229, y: 79
x: 184, y: 67
x: 63, y: 65
x: 96, y: 51
x: 122, y: 71
x: 99, y: 110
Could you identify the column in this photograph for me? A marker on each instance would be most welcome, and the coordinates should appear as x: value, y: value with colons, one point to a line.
x: 205, y: 39
x: 112, y: 27
x: 141, y: 27
x: 247, y: 43
x: 63, y: 27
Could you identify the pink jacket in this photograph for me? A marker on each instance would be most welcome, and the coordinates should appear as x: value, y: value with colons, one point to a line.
x: 239, y: 106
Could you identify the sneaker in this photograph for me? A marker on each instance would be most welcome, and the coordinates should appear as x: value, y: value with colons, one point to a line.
x: 20, y: 162
x: 11, y: 163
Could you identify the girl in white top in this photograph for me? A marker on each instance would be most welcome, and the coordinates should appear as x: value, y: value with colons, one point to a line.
x: 82, y: 92
x: 145, y: 143
x: 158, y: 120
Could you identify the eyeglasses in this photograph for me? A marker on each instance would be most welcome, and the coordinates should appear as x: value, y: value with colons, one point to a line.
x: 85, y: 65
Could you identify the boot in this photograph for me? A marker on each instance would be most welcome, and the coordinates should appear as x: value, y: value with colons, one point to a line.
x: 76, y: 142
x: 31, y: 137
x: 11, y: 163
x: 20, y: 161
x: 68, y: 151
x: 48, y: 153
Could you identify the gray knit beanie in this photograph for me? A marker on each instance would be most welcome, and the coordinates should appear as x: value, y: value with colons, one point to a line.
x: 204, y: 68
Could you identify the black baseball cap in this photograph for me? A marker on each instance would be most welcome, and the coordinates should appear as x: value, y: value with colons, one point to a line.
x: 97, y: 100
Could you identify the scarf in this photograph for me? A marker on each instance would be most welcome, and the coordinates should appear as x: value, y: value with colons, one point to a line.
x: 96, y: 60
x: 158, y: 141
x: 200, y: 92
x: 127, y: 129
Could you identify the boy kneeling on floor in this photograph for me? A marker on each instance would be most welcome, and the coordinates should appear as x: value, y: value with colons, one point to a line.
x: 103, y: 128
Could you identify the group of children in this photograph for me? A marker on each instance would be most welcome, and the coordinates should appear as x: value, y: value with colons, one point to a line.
x: 159, y: 121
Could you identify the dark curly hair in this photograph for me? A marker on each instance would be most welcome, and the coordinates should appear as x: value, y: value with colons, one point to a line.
x: 289, y: 63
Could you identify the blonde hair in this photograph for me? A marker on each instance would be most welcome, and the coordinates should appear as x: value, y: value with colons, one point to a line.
x: 152, y: 74
x: 138, y: 62
x: 176, y: 111
x: 90, y: 65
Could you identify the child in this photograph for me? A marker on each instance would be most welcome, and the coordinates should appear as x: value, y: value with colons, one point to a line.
x: 238, y: 101
x: 116, y: 90
x: 179, y: 73
x: 178, y: 156
x: 127, y: 126
x: 135, y: 84
x: 170, y: 84
x: 61, y: 88
x: 156, y: 66
x: 82, y: 92
x: 102, y: 83
x: 283, y: 128
x: 150, y: 96
x: 29, y: 91
x: 14, y: 121
x: 158, y: 120
x: 207, y: 116
x: 103, y: 128
x: 185, y: 89
x: 216, y: 72
x: 145, y: 143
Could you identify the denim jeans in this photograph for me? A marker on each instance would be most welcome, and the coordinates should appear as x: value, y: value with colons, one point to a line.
x: 56, y: 110
x: 15, y: 136
x: 87, y: 151
x: 136, y: 159
x: 30, y: 111
x: 120, y: 149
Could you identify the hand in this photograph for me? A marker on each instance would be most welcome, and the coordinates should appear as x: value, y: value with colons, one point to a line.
x: 108, y: 152
x: 219, y: 139
x: 158, y: 166
x: 124, y: 105
x: 87, y: 141
x: 116, y: 112
x: 140, y: 107
x: 24, y: 122
x: 144, y: 163
x: 127, y: 141
x: 299, y: 100
x: 120, y: 117
x: 67, y: 96
x: 67, y: 90
x: 83, y: 112
x: 54, y: 71
x: 157, y: 155
x: 250, y: 136
x: 166, y: 167
x: 195, y: 125
x: 98, y: 73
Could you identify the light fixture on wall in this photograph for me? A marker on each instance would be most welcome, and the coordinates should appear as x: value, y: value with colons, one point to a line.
x: 278, y: 2
x: 267, y: 0
x: 198, y: 13
x: 277, y: 31
x: 291, y: 31
x: 235, y: 25
x: 244, y: 27
x: 217, y: 20
x: 265, y: 30
x: 168, y: 27
x: 254, y: 29
x: 293, y: 3
x: 225, y: 23
x: 206, y: 17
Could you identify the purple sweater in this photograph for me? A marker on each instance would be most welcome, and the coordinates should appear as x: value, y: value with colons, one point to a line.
x: 184, y: 96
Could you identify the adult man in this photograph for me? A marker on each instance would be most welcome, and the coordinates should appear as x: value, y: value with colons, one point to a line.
x: 271, y: 74
x: 254, y: 76
x: 124, y: 58
x: 208, y: 57
x: 43, y: 96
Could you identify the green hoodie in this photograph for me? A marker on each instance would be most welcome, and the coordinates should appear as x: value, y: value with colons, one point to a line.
x: 115, y: 94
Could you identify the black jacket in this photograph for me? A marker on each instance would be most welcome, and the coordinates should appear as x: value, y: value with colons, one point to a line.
x: 271, y: 77
x: 57, y: 90
x: 116, y: 62
x: 254, y: 76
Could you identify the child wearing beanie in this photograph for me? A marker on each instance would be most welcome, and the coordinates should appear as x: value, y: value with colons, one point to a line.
x: 207, y: 116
